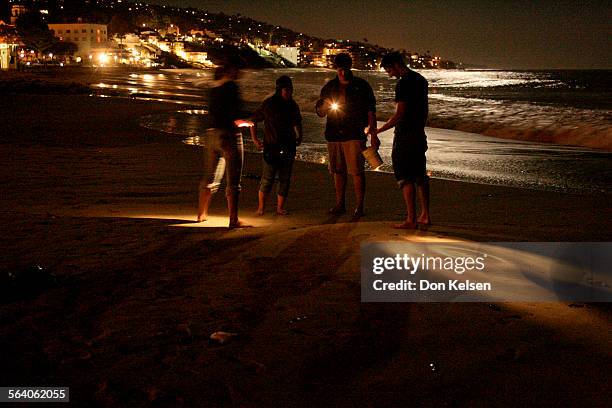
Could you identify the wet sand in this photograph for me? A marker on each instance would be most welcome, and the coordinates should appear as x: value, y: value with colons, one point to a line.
x: 108, y: 208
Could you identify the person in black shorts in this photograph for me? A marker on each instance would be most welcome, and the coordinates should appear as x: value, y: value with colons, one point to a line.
x: 409, y: 141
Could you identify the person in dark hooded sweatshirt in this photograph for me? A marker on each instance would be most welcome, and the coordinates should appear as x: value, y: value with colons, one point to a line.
x: 282, y: 134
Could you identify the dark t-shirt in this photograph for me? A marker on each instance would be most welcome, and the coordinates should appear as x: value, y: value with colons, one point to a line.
x: 412, y: 89
x: 351, y: 119
x: 280, y: 117
x: 225, y: 105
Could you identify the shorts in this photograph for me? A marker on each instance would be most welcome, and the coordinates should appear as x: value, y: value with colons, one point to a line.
x: 346, y: 157
x: 223, y: 154
x: 409, y: 164
x: 283, y: 170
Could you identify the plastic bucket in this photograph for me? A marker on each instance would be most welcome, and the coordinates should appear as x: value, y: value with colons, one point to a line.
x: 373, y: 158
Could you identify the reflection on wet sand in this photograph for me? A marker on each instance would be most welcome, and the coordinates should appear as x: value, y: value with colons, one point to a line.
x: 452, y: 155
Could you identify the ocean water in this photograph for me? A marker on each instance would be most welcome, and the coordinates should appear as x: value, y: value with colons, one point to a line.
x: 465, y: 107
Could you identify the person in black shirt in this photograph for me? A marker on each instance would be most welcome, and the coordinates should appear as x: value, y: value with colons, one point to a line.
x: 350, y: 107
x: 224, y: 151
x: 410, y: 141
x: 282, y: 133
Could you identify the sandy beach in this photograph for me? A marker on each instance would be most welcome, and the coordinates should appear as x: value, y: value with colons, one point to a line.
x: 108, y: 208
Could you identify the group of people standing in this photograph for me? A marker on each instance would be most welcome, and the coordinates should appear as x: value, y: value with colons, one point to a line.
x: 349, y: 105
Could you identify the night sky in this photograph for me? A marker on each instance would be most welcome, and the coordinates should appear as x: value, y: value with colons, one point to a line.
x: 494, y: 33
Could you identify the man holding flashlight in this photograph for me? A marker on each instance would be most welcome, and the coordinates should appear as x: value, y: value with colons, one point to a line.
x: 350, y: 107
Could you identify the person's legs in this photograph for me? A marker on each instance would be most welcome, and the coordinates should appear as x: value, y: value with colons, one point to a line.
x: 214, y: 169
x: 355, y: 163
x: 340, y: 186
x: 409, y: 166
x: 359, y: 185
x: 261, y: 203
x: 337, y: 167
x: 204, y: 203
x: 284, y: 182
x: 267, y: 180
x: 280, y: 205
x: 423, y: 199
x: 409, y: 196
x: 233, y: 152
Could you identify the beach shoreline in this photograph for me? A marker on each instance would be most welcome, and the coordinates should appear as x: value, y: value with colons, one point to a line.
x: 108, y: 208
x: 72, y: 80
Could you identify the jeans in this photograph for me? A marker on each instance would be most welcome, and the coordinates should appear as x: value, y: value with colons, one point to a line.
x: 283, y: 169
x: 224, y: 153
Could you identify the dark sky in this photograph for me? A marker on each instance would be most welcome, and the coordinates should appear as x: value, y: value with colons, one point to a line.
x: 495, y: 33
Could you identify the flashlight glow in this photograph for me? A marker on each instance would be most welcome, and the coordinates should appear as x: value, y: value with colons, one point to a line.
x: 334, y: 106
x: 103, y: 58
x: 242, y: 123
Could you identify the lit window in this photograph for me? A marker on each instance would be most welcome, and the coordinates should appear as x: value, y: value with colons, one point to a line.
x: 67, y: 31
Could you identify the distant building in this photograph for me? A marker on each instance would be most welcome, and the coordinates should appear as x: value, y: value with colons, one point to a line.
x: 291, y: 54
x: 16, y: 11
x: 128, y: 40
x: 315, y: 58
x: 88, y: 37
x: 197, y: 33
x: 329, y: 53
x: 9, y: 43
x: 173, y: 29
x: 201, y: 57
x: 211, y: 35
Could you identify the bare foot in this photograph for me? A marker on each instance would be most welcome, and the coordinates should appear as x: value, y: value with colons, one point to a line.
x: 424, y: 226
x: 239, y: 224
x: 202, y: 218
x: 259, y: 212
x: 281, y: 211
x: 405, y: 225
x: 337, y: 210
x: 357, y: 214
x: 424, y: 220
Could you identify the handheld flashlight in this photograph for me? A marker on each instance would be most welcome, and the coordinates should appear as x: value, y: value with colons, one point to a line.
x: 244, y: 123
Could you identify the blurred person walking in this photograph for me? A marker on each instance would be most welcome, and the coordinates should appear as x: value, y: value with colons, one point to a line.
x: 224, y: 151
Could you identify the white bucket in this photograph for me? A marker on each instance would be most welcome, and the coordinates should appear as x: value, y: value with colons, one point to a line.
x: 373, y: 158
